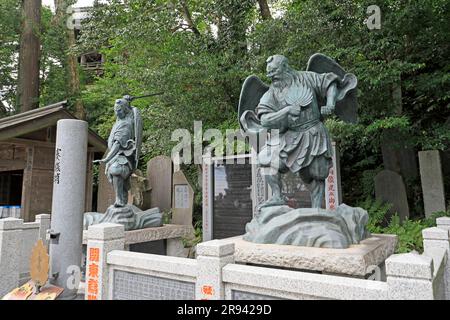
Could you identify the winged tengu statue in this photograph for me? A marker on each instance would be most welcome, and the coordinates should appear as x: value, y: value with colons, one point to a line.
x: 296, y: 103
x: 124, y: 144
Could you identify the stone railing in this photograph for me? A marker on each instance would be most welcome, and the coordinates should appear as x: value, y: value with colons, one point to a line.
x: 214, y: 274
x: 114, y: 273
x: 16, y: 242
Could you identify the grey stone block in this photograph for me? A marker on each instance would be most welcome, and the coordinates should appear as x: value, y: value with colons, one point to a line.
x: 106, y: 231
x: 435, y: 234
x: 443, y: 223
x: 410, y: 265
x: 11, y: 224
x: 215, y: 248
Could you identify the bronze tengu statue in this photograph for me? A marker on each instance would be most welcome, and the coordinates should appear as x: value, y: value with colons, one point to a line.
x: 124, y: 145
x: 292, y: 110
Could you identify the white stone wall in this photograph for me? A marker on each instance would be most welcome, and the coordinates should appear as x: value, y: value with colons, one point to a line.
x: 17, y: 240
x: 410, y: 276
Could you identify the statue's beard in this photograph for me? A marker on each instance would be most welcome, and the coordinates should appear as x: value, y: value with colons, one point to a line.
x: 282, y: 83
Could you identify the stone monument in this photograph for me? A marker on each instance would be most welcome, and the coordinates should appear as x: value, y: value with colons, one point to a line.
x: 68, y: 203
x: 124, y: 145
x: 292, y: 109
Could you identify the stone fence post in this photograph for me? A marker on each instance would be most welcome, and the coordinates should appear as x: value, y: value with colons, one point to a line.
x: 410, y: 277
x: 10, y: 244
x: 435, y: 239
x: 212, y: 256
x: 443, y: 223
x: 44, y: 225
x: 101, y: 239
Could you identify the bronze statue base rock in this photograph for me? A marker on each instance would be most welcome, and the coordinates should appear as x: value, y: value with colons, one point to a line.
x: 310, y: 227
x: 130, y: 216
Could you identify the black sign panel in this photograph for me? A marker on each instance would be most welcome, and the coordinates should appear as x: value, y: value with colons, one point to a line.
x: 232, y: 205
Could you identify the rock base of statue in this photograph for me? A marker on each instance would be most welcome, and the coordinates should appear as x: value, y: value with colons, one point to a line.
x: 308, y: 227
x: 130, y: 216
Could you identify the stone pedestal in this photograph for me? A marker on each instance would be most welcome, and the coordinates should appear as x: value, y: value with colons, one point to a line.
x: 358, y: 260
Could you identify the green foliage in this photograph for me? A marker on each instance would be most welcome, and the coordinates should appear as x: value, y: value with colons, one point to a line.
x: 377, y: 211
x: 409, y: 232
x: 150, y: 47
x: 9, y: 43
x: 167, y: 216
x: 192, y: 241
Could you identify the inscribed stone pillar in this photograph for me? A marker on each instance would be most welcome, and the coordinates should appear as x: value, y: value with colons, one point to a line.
x: 183, y: 204
x: 432, y: 181
x: 333, y: 189
x: 183, y: 200
x: 389, y: 187
x: 159, y: 173
x: 68, y: 204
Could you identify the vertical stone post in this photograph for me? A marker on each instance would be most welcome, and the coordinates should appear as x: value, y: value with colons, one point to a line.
x: 68, y: 204
x: 10, y: 248
x: 432, y: 181
x: 439, y: 239
x: 101, y: 239
x: 410, y: 277
x: 443, y: 223
x: 212, y: 256
x: 44, y: 225
x: 333, y: 188
x: 208, y: 196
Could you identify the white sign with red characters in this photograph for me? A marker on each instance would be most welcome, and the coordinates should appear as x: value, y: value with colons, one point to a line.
x: 333, y: 195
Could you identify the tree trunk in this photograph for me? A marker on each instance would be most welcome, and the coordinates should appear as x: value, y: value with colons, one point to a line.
x: 72, y: 61
x: 187, y: 16
x: 265, y: 10
x: 29, y: 56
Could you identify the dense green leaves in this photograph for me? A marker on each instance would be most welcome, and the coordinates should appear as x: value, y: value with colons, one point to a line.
x: 198, y: 52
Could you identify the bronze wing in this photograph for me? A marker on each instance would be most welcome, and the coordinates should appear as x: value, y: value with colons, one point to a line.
x: 252, y: 91
x: 347, y: 103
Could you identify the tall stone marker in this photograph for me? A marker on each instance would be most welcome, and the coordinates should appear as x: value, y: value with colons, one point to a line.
x: 159, y: 173
x: 333, y: 188
x: 68, y: 205
x: 432, y: 181
x: 389, y: 187
x: 183, y: 200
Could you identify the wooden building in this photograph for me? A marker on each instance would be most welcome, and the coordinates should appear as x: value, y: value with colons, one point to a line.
x: 27, y: 152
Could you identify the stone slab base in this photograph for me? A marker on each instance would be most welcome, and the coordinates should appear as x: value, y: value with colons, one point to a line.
x: 357, y: 260
x: 167, y: 231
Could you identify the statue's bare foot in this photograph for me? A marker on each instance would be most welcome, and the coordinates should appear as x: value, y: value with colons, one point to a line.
x: 118, y: 204
x: 274, y: 201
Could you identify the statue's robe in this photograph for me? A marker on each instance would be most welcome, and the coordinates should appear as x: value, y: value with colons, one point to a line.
x: 122, y: 132
x: 302, y: 138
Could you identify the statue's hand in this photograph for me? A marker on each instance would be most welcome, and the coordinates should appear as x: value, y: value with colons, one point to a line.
x: 327, y: 110
x: 99, y: 161
x: 294, y: 110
